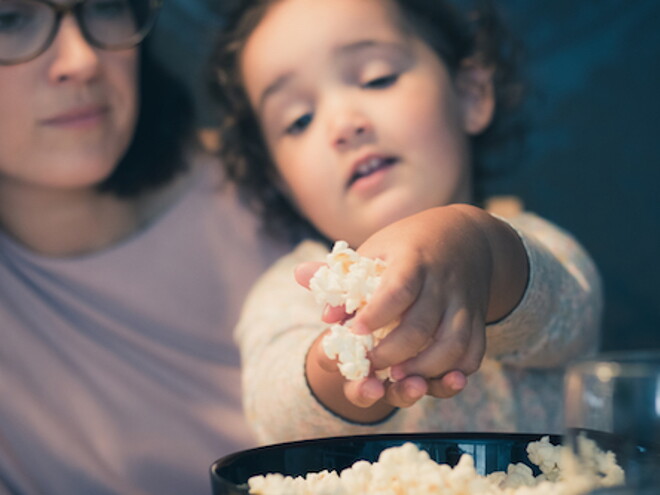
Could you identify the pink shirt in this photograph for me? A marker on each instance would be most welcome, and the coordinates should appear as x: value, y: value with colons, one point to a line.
x: 118, y: 373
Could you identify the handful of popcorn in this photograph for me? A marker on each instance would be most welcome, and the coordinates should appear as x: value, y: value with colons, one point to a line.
x: 349, y: 280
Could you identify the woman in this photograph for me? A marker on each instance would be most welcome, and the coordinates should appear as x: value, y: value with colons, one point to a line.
x: 121, y: 263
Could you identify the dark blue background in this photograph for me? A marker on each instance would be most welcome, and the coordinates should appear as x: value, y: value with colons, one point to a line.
x: 591, y: 159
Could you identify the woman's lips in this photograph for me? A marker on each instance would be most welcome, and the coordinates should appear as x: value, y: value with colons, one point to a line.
x: 78, y: 118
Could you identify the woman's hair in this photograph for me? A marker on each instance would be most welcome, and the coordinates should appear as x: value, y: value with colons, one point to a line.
x: 454, y: 35
x: 163, y: 130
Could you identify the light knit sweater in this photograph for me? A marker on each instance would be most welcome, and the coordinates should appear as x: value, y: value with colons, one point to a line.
x: 517, y: 389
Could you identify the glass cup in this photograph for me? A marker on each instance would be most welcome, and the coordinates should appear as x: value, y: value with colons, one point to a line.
x: 614, y: 400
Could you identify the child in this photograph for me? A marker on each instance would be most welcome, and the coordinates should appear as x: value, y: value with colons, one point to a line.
x: 354, y: 120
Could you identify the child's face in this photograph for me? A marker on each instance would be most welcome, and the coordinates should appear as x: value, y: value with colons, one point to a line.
x: 362, y: 119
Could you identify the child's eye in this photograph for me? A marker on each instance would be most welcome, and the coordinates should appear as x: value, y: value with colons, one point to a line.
x: 381, y: 82
x: 299, y: 125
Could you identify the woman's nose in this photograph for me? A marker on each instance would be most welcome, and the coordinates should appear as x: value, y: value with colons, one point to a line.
x: 73, y: 58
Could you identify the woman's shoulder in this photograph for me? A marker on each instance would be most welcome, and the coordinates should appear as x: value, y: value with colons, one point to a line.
x: 199, y: 186
x: 155, y: 203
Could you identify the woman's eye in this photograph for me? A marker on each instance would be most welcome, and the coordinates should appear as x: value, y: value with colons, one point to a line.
x: 300, y: 124
x: 108, y: 8
x: 13, y: 20
x: 381, y: 82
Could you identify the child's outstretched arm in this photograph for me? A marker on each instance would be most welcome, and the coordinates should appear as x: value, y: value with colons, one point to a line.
x: 556, y: 320
x: 450, y: 271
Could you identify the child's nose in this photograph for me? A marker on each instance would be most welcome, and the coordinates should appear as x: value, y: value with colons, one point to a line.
x: 74, y: 59
x: 350, y: 129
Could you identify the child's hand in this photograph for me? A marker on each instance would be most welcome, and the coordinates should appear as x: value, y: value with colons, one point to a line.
x: 366, y: 392
x: 449, y: 271
x: 332, y: 388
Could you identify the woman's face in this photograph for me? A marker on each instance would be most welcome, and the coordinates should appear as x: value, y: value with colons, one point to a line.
x: 361, y: 117
x: 67, y: 116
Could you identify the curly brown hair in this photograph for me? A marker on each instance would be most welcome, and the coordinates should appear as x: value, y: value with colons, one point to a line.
x: 455, y: 35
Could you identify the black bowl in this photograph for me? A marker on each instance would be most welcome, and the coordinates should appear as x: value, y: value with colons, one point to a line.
x: 491, y: 452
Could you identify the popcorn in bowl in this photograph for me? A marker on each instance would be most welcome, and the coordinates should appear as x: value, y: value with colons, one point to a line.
x: 408, y: 470
x: 349, y: 280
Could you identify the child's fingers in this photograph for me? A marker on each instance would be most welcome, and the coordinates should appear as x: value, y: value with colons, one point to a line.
x: 399, y: 288
x: 406, y: 392
x: 365, y: 392
x: 446, y: 351
x: 476, y: 350
x: 447, y: 385
x: 305, y: 271
x: 470, y: 360
x: 414, y: 333
x: 320, y: 357
x: 333, y: 314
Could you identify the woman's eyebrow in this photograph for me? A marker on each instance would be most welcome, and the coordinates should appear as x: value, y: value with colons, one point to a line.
x: 273, y: 88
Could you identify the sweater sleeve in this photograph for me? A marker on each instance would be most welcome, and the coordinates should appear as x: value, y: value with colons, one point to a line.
x: 278, y: 324
x: 558, y: 317
x: 556, y: 320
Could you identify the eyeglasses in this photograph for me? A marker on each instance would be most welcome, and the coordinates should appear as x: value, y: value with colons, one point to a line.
x: 28, y: 27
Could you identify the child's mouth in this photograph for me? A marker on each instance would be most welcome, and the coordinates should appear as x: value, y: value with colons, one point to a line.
x: 369, y: 167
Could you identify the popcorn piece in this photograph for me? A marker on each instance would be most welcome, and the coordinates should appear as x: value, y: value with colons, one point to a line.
x: 600, y: 466
x: 348, y: 278
x: 546, y: 456
x: 518, y: 475
x: 350, y: 350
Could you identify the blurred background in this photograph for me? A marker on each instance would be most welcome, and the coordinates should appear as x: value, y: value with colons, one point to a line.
x: 590, y: 161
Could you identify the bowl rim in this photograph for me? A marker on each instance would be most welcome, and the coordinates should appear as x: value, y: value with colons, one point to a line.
x: 463, y: 437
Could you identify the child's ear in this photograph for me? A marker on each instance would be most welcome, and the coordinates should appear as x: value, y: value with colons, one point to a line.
x: 474, y: 84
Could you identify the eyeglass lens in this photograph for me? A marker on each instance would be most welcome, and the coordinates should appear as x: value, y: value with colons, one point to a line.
x: 24, y: 27
x: 28, y: 26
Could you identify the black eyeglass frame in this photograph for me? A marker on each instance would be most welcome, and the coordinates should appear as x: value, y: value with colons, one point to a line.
x: 75, y: 7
